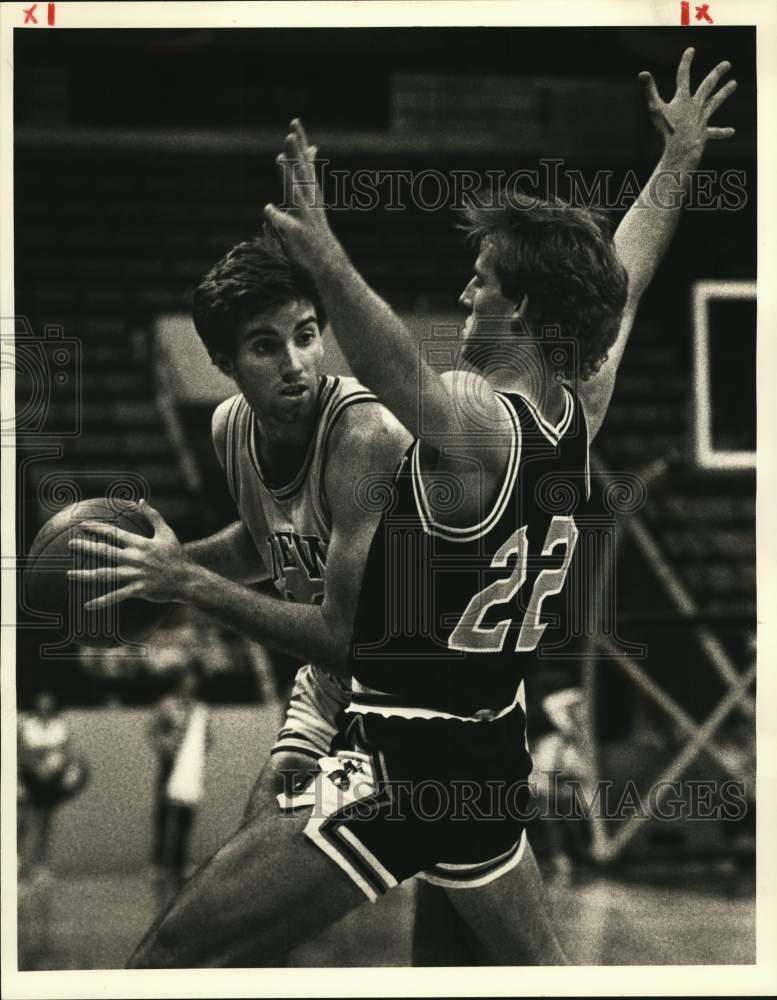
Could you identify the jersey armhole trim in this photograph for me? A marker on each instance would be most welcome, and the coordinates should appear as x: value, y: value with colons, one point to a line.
x: 454, y: 534
x: 230, y: 446
x: 587, y: 452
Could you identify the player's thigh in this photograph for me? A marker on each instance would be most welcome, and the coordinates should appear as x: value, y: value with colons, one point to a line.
x: 264, y: 892
x: 440, y: 936
x: 510, y: 918
x: 302, y: 890
x: 283, y: 772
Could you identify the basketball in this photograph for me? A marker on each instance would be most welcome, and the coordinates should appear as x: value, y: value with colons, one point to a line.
x: 49, y: 590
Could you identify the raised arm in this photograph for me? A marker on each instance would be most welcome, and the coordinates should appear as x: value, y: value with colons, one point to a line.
x: 380, y: 349
x: 647, y: 229
x: 366, y: 448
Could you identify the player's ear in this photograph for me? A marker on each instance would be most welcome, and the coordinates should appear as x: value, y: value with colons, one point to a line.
x: 225, y: 364
x: 522, y: 308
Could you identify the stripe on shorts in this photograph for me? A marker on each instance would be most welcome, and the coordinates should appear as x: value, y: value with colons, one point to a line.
x: 359, y: 856
x: 471, y: 876
x: 342, y: 845
x: 314, y: 831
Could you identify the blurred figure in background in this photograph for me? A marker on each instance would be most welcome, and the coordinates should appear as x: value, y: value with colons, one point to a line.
x: 49, y: 773
x: 562, y: 756
x: 181, y: 736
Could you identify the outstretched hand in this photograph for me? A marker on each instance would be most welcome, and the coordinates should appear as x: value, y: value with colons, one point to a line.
x: 152, y: 568
x: 683, y: 121
x: 302, y: 228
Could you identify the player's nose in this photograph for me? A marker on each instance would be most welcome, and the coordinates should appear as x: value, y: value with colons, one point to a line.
x: 291, y: 363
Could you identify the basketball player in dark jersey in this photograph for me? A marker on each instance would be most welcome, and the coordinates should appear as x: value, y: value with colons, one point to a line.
x: 435, y: 698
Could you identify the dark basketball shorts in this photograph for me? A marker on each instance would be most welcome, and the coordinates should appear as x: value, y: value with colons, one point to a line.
x: 444, y: 800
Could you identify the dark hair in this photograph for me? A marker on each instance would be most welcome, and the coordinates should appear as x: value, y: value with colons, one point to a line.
x: 254, y: 276
x: 560, y: 256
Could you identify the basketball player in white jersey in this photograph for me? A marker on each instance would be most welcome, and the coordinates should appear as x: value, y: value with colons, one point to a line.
x: 289, y: 442
x: 303, y: 880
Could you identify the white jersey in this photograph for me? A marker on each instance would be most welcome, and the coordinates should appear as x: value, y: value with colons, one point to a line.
x: 290, y: 523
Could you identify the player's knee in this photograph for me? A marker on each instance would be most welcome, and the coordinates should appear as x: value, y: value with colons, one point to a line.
x: 291, y: 772
x: 284, y: 773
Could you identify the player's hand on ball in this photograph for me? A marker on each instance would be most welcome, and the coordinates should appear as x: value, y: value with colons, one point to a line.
x: 303, y: 228
x: 684, y: 121
x: 151, y: 568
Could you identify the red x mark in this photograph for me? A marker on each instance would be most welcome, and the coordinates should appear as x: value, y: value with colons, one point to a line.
x: 703, y: 13
x: 29, y: 14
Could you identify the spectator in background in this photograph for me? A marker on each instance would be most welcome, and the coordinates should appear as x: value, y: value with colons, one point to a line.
x: 181, y: 736
x: 49, y: 773
x: 562, y: 756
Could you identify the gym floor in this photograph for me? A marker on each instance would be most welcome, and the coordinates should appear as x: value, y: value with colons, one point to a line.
x: 685, y: 916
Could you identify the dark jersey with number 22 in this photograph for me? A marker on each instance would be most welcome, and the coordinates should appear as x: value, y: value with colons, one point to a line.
x: 448, y: 616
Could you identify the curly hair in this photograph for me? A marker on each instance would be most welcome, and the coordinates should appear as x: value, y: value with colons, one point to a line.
x: 254, y: 276
x: 561, y: 257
